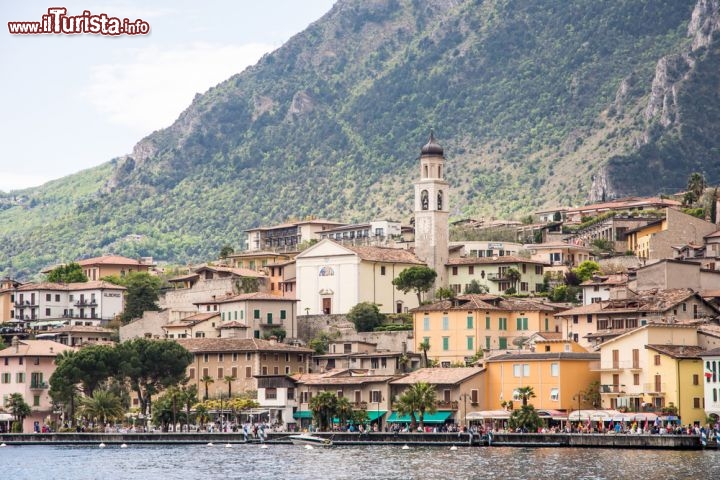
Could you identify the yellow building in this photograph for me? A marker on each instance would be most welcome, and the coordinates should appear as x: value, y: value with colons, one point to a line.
x: 651, y: 367
x: 559, y: 372
x: 7, y: 298
x: 115, y: 265
x: 457, y: 329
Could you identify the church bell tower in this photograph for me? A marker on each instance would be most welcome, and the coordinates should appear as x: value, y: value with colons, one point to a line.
x: 431, y: 211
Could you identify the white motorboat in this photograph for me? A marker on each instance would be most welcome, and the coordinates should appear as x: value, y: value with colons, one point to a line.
x: 307, y: 439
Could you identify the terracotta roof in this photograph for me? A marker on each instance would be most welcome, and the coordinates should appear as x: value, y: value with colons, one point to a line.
x: 35, y: 348
x: 240, y: 272
x: 346, y: 380
x: 66, y: 287
x: 244, y: 297
x: 678, y: 351
x: 203, y: 345
x: 709, y: 329
x: 110, y: 260
x: 486, y: 302
x: 233, y: 324
x: 715, y: 234
x: 295, y: 224
x: 438, y: 376
x: 658, y: 301
x: 492, y: 260
x: 192, y: 320
x: 505, y: 357
x: 182, y: 278
x: 615, y: 279
x: 383, y: 254
x: 715, y: 352
x: 81, y: 329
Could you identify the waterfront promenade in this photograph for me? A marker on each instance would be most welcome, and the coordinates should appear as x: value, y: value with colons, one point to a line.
x: 680, y: 442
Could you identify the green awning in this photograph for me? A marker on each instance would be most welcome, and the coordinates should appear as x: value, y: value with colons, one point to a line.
x: 372, y: 415
x: 437, y: 417
x: 302, y: 414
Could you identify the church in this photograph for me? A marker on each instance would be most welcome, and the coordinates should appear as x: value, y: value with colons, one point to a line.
x: 332, y: 277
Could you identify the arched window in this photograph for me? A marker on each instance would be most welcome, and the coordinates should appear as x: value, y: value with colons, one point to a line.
x: 424, y: 200
x: 439, y: 171
x: 425, y: 171
x: 440, y: 200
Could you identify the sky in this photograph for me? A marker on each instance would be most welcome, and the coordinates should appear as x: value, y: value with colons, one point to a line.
x: 71, y: 102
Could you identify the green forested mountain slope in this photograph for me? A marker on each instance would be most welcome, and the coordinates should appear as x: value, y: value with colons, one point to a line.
x: 536, y: 104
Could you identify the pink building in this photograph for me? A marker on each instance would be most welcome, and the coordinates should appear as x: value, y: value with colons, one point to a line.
x: 25, y: 368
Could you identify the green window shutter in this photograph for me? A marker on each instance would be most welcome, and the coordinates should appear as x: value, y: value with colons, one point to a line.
x: 487, y: 323
x: 469, y: 322
x: 487, y: 343
x: 257, y: 313
x: 446, y: 343
x: 269, y: 318
x: 282, y: 315
x: 502, y: 342
x: 470, y: 343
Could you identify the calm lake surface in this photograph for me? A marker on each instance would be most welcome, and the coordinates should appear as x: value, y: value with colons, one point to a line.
x: 349, y: 462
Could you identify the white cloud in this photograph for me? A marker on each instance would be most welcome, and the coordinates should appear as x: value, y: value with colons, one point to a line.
x: 154, y: 86
x: 17, y: 181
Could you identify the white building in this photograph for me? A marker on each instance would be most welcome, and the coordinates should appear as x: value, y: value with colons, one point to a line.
x: 711, y: 381
x: 333, y: 278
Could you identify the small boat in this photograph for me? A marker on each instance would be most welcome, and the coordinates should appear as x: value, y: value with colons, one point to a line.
x: 307, y: 439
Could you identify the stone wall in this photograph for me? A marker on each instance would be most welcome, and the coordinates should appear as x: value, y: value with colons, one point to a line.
x: 149, y: 325
x: 310, y: 325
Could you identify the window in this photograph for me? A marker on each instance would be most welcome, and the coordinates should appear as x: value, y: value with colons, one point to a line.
x: 221, y: 357
x: 36, y: 400
x: 375, y: 396
x: 445, y: 323
x: 221, y: 373
x: 696, y: 379
x: 256, y: 314
x: 206, y: 372
x: 474, y: 397
x: 657, y: 359
x: 234, y: 357
x: 233, y: 372
x: 487, y: 323
x: 589, y: 319
x: 522, y: 323
x: 454, y: 270
x: 276, y: 370
x: 264, y: 370
x: 248, y: 372
x: 270, y: 393
x: 291, y: 394
x: 382, y: 270
x: 554, y: 369
x: 469, y: 321
x: 471, y: 269
x: 471, y: 343
x: 6, y: 378
x: 206, y: 357
x: 446, y: 343
x: 283, y: 315
x: 426, y: 323
x: 575, y: 319
x: 502, y: 323
x: 636, y: 379
x: 47, y: 312
x: 502, y: 343
x: 555, y: 394
x: 57, y: 298
x: 191, y: 373
x: 524, y: 286
x: 696, y: 402
x: 487, y: 343
x: 538, y: 270
x: 521, y: 369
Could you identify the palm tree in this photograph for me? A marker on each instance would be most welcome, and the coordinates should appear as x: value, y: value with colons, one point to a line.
x: 514, y: 276
x: 420, y: 398
x: 525, y: 393
x: 229, y: 379
x: 405, y: 405
x: 18, y: 408
x: 102, y: 405
x: 207, y: 380
x: 696, y: 185
x: 343, y: 410
x: 189, y: 398
x: 323, y: 406
x: 425, y: 346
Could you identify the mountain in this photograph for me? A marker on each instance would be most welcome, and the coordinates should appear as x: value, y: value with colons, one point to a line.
x: 537, y: 104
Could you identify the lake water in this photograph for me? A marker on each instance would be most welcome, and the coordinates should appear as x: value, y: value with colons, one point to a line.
x: 349, y: 462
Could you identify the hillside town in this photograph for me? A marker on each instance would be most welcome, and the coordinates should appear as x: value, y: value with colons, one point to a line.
x: 599, y: 315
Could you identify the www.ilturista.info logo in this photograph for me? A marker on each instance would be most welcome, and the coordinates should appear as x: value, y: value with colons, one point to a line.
x: 59, y: 23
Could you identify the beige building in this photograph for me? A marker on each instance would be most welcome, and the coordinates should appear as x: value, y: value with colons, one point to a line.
x: 7, y: 298
x: 669, y: 273
x: 333, y: 278
x: 200, y: 325
x: 652, y: 366
x: 655, y: 241
x: 559, y: 257
x: 593, y: 324
x: 78, y: 335
x: 459, y: 392
x: 25, y: 368
x: 240, y: 360
x: 107, y: 265
x: 287, y: 236
x: 365, y: 356
x: 492, y: 272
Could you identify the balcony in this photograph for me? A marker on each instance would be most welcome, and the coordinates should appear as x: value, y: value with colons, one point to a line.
x: 497, y: 277
x: 446, y: 405
x: 612, y: 389
x: 26, y: 303
x: 86, y: 303
x: 38, y: 385
x: 273, y: 324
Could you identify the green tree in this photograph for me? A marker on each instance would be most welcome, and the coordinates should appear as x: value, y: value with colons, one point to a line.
x: 321, y: 342
x: 592, y: 394
x: 366, y: 316
x: 65, y: 381
x: 226, y: 251
x: 18, y: 408
x: 696, y: 185
x: 586, y: 269
x: 207, y: 380
x: 150, y: 366
x: 70, y: 273
x: 189, y: 398
x: 444, y: 293
x: 525, y: 394
x: 229, y: 379
x: 513, y: 275
x: 420, y: 397
x: 102, y: 406
x: 142, y: 294
x: 525, y: 418
x: 425, y: 346
x: 277, y: 332
x: 419, y: 279
x: 344, y: 410
x: 475, y: 287
x: 323, y: 406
